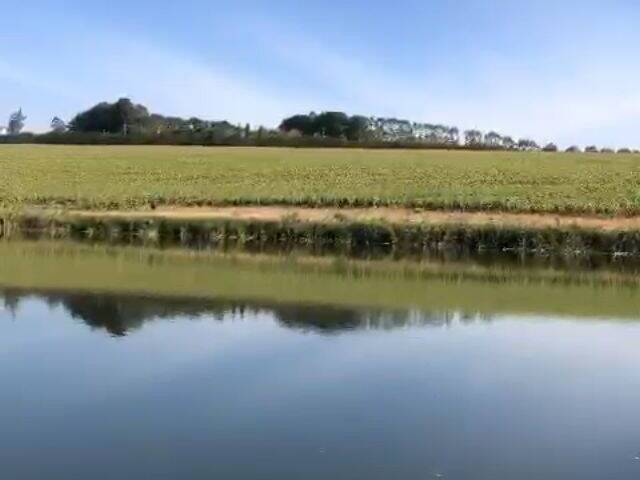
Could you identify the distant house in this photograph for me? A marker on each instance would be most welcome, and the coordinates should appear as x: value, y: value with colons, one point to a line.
x: 3, y: 131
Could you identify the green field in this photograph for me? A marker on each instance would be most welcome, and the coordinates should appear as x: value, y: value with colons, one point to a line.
x: 133, y: 177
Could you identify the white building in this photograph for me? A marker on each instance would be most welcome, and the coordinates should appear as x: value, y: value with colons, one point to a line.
x: 3, y: 130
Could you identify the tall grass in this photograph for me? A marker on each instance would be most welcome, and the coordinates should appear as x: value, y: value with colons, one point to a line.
x: 347, y: 237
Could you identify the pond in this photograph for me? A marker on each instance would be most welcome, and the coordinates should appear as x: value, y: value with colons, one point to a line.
x: 121, y: 362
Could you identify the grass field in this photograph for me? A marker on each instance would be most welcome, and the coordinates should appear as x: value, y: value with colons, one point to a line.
x: 132, y: 177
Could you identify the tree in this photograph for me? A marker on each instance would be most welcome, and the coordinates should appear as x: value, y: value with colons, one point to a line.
x: 573, y: 149
x: 453, y: 135
x: 591, y: 149
x: 222, y: 131
x: 493, y: 139
x: 116, y: 117
x: 527, y: 144
x: 508, y: 143
x: 16, y: 122
x: 357, y: 128
x: 327, y: 124
x: 473, y: 138
x: 440, y: 134
x: 331, y: 124
x: 624, y: 150
x: 550, y: 147
x: 58, y: 125
x: 302, y: 123
x: 606, y: 150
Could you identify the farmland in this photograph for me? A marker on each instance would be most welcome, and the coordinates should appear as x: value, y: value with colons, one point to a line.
x: 135, y: 177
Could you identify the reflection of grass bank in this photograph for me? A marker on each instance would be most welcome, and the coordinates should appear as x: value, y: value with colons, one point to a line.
x: 350, y: 235
x: 431, y: 286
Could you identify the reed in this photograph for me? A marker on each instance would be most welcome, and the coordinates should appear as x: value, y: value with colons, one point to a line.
x: 350, y: 237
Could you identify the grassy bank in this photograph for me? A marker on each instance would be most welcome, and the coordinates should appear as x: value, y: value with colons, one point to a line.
x: 346, y: 236
x: 98, y: 177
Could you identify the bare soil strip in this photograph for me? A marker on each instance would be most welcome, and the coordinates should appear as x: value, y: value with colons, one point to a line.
x: 398, y: 216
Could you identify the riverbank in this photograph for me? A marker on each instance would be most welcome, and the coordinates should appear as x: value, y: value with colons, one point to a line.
x: 354, y: 201
x: 347, y: 229
x: 382, y: 215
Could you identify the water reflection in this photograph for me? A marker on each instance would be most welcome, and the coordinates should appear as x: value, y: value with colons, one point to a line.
x: 120, y: 315
x: 396, y: 397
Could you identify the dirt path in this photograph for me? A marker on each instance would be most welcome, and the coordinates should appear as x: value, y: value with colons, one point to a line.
x: 387, y: 214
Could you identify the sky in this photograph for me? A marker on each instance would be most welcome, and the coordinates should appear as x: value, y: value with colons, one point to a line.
x: 563, y: 71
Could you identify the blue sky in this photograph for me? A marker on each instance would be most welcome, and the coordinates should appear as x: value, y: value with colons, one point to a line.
x: 565, y: 71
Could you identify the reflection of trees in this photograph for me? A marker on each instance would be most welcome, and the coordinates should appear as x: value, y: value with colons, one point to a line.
x: 121, y: 314
x: 313, y: 317
x: 10, y: 300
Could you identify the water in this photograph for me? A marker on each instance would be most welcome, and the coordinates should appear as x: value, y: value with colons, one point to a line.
x: 104, y: 375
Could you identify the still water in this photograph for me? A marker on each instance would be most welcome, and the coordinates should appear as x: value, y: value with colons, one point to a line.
x: 123, y: 382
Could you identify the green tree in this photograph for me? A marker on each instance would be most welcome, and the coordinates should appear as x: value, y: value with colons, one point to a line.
x: 357, y: 128
x: 118, y: 117
x: 508, y: 143
x: 16, y: 122
x: 331, y: 124
x: 302, y: 123
x: 527, y: 144
x: 473, y: 138
x: 493, y: 139
x: 58, y: 125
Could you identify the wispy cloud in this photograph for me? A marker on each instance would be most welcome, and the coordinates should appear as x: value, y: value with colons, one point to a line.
x: 173, y: 82
x: 168, y: 81
x: 19, y: 75
x: 562, y: 96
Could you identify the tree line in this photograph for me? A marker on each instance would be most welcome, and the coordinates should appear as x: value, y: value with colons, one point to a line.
x: 124, y: 122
